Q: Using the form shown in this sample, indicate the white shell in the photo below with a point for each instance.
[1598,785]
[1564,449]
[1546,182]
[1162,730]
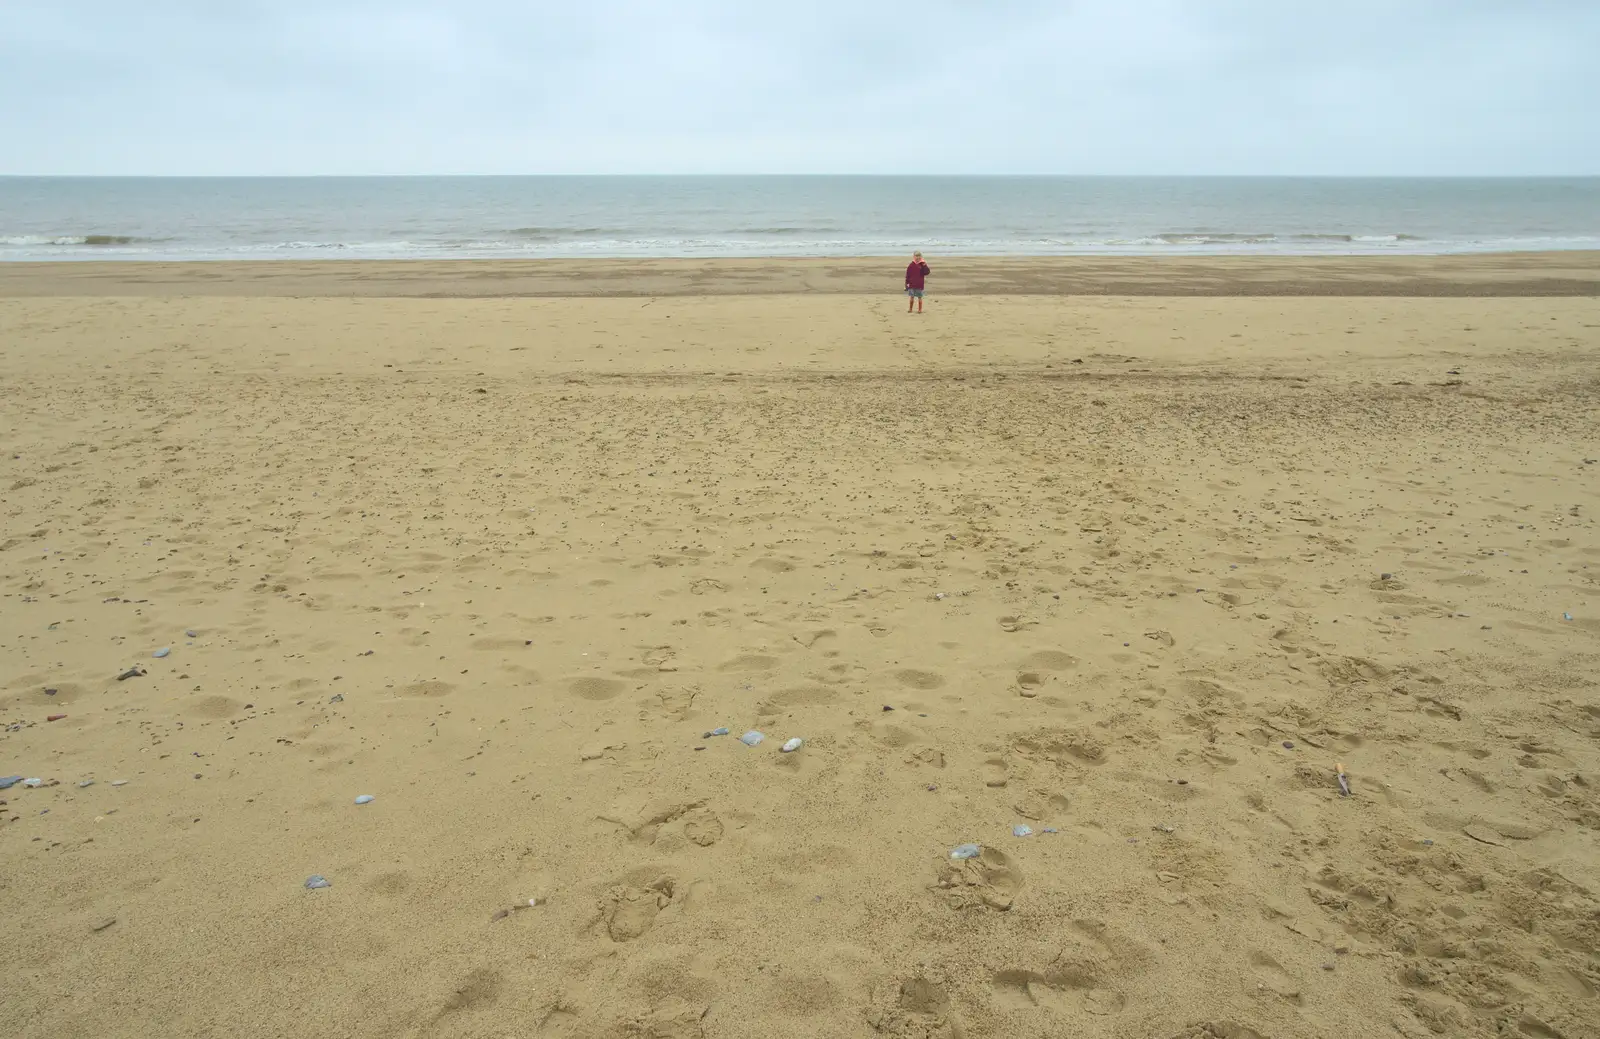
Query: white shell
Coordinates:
[792,745]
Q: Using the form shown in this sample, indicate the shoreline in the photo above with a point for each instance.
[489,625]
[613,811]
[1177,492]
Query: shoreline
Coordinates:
[1532,274]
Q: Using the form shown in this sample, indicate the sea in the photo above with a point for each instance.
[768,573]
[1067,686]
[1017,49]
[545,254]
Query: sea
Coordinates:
[244,218]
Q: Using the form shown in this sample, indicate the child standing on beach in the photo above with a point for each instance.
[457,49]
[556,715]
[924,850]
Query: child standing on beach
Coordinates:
[916,275]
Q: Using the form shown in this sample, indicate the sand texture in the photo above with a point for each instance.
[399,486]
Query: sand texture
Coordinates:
[1573,273]
[1136,573]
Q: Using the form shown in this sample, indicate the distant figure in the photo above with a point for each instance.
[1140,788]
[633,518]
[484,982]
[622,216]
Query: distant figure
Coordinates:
[916,279]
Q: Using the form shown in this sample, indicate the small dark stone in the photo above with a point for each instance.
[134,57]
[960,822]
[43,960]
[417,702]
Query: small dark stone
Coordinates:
[887,707]
[1288,744]
[1385,577]
[50,692]
[1183,782]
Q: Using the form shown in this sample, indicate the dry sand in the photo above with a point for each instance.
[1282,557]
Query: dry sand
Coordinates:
[501,562]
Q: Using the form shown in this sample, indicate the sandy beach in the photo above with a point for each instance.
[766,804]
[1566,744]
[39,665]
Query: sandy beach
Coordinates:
[1134,553]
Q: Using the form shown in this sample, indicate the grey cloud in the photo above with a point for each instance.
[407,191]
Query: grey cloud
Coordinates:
[1139,86]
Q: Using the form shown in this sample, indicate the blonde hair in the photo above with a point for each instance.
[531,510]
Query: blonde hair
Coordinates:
[916,255]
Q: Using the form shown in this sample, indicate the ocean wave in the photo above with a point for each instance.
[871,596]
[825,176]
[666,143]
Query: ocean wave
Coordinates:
[1238,238]
[556,233]
[1215,238]
[83,239]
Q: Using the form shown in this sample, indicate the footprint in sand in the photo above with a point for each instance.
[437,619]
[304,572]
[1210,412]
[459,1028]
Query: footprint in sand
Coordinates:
[629,912]
[559,1021]
[213,708]
[1038,805]
[990,881]
[1071,989]
[702,827]
[916,1008]
[915,679]
[785,700]
[749,662]
[1268,975]
[1062,747]
[476,991]
[425,690]
[1049,660]
[592,687]
[996,772]
[1217,1030]
[706,586]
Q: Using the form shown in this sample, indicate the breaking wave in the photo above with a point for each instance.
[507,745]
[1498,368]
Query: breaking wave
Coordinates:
[84,239]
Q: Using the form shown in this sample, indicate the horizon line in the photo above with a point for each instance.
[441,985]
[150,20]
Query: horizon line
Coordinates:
[901,176]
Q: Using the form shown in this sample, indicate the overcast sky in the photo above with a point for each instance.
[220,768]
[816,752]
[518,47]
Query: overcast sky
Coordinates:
[844,86]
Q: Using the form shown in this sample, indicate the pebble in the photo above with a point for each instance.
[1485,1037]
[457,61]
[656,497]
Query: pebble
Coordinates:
[965,851]
[7,782]
[50,692]
[191,633]
[1427,842]
[365,799]
[34,783]
[1566,616]
[886,707]
[336,698]
[1050,829]
[55,717]
[751,738]
[86,783]
[1022,830]
[119,782]
[316,880]
[1385,577]
[719,731]
[791,746]
[163,651]
[1288,744]
[132,672]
